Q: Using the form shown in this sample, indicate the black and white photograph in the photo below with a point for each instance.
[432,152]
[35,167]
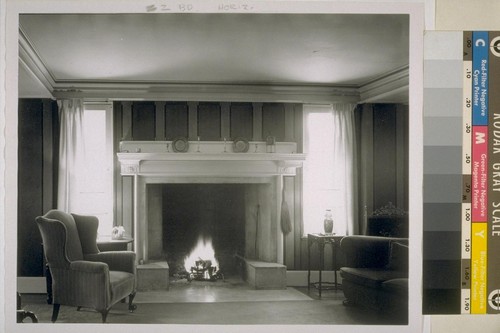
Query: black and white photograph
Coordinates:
[215,165]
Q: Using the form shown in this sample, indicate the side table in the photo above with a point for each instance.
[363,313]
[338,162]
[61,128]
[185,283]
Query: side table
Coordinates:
[321,240]
[107,244]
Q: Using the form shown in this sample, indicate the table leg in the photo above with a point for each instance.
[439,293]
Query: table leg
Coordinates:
[308,264]
[334,250]
[321,263]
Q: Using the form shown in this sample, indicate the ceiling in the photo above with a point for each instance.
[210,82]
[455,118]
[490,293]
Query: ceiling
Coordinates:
[113,55]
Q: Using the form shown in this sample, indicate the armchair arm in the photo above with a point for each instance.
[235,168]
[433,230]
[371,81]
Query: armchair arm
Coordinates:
[85,284]
[367,251]
[116,260]
[84,266]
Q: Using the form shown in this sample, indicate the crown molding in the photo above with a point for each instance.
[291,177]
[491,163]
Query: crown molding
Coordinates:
[208,92]
[32,62]
[386,87]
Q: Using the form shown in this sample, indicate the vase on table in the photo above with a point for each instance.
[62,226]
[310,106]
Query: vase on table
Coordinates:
[328,222]
[118,232]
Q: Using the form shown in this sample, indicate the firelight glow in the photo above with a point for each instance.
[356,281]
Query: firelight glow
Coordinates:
[203,250]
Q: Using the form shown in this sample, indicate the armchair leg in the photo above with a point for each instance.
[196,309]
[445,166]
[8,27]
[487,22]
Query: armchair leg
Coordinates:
[104,315]
[131,306]
[55,312]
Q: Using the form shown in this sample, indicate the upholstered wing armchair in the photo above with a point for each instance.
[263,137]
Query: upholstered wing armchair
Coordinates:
[81,275]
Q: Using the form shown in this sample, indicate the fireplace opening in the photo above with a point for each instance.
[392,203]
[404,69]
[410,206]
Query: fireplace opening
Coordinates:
[203,222]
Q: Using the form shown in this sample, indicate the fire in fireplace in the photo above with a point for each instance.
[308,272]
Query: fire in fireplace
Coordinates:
[201,264]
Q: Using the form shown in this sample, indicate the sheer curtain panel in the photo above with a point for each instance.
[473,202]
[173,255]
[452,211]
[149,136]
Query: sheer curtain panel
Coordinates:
[330,178]
[71,154]
[345,167]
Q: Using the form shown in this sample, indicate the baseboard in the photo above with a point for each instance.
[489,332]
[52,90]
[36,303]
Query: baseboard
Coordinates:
[299,278]
[31,285]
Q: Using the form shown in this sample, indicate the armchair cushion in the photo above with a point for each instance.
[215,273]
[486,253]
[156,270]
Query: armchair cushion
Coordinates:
[121,283]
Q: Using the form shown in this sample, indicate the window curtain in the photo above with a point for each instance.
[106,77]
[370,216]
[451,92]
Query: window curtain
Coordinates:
[71,154]
[344,154]
[330,171]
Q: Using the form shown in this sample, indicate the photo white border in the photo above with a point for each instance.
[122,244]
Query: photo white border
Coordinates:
[8,111]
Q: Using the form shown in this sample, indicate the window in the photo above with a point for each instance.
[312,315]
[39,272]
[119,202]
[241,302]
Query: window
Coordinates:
[97,193]
[328,170]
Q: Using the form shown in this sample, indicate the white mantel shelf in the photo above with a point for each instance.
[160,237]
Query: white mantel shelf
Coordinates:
[149,161]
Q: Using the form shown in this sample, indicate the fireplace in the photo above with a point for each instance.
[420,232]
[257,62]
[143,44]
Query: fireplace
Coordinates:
[204,217]
[167,184]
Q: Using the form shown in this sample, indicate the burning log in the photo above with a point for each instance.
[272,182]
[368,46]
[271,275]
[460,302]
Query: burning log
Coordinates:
[203,270]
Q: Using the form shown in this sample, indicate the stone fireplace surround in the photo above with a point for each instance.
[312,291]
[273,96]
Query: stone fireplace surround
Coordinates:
[212,163]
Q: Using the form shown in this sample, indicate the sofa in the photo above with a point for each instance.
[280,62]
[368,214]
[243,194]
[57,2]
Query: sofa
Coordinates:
[375,273]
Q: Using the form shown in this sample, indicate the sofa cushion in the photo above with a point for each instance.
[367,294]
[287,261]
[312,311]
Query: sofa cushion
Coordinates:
[366,251]
[397,286]
[398,257]
[369,277]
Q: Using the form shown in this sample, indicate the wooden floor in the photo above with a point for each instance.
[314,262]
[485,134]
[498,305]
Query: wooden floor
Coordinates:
[222,303]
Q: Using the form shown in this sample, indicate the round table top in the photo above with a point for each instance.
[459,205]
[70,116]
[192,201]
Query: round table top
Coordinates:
[106,240]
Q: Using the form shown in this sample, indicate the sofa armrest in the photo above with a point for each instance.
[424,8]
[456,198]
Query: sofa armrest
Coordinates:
[367,251]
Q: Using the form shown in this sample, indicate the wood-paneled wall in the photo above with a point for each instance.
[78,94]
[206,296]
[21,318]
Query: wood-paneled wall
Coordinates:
[210,121]
[37,161]
[382,157]
[382,134]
